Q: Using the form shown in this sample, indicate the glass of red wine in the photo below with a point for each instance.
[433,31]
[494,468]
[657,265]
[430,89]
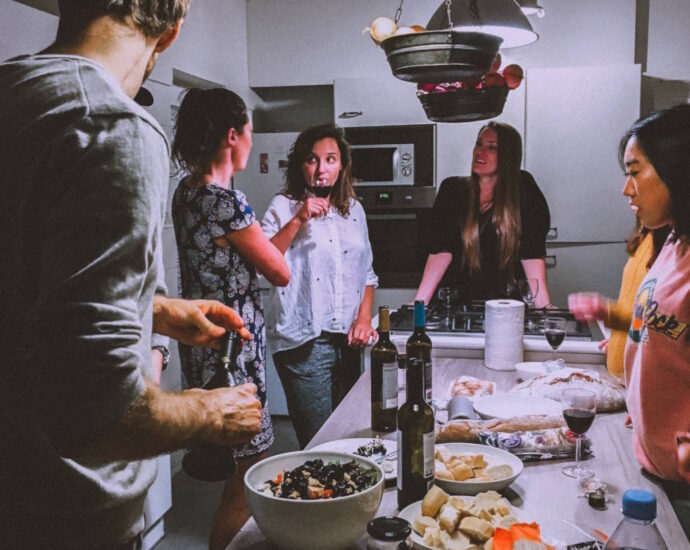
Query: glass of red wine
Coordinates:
[579,408]
[554,330]
[320,187]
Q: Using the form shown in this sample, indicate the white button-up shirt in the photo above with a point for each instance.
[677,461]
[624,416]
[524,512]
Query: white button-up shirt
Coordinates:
[330,263]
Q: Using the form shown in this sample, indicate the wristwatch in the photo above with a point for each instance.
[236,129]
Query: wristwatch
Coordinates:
[165,353]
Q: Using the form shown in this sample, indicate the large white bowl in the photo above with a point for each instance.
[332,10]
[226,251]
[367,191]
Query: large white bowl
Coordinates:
[329,524]
[493,456]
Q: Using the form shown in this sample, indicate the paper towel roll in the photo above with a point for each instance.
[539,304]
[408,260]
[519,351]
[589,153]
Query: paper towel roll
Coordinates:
[504,325]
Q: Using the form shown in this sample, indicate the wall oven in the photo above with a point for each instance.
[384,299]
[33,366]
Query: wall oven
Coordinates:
[398,206]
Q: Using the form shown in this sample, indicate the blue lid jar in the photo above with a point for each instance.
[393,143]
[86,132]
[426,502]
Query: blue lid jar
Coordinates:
[639,504]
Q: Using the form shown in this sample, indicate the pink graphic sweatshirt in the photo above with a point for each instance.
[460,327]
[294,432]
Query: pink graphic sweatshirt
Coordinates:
[657,361]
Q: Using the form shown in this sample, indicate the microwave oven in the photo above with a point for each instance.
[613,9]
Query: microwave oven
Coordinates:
[385,156]
[383,164]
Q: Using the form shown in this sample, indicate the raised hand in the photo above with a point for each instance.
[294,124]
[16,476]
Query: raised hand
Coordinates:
[195,322]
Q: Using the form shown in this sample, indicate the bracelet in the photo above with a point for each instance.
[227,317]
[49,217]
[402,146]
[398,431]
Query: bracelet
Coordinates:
[166,355]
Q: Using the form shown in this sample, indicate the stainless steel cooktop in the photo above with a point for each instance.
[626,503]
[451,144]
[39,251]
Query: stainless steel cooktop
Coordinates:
[468,320]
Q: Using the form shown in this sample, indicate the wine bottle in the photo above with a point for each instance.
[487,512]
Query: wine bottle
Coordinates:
[206,461]
[419,346]
[384,378]
[416,439]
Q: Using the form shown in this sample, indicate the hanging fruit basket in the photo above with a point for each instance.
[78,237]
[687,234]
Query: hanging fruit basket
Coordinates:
[464,105]
[440,56]
[456,61]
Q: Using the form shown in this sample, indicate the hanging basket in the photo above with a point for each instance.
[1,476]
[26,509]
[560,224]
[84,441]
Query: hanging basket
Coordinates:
[464,105]
[441,56]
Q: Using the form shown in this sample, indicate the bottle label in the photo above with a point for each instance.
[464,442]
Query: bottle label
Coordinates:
[399,481]
[428,442]
[428,371]
[389,387]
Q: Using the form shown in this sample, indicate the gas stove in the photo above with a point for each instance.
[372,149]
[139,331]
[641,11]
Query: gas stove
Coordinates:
[468,320]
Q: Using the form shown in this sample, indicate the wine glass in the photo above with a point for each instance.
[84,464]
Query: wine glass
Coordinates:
[554,330]
[529,288]
[579,408]
[320,186]
[445,295]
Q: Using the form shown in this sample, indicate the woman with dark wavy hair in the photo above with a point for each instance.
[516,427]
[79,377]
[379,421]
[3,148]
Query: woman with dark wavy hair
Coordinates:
[490,228]
[323,316]
[221,251]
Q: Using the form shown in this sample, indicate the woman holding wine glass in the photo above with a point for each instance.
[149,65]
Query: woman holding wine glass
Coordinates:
[221,251]
[322,318]
[490,228]
[655,153]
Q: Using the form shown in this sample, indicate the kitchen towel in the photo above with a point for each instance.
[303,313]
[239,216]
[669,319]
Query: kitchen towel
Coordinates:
[505,321]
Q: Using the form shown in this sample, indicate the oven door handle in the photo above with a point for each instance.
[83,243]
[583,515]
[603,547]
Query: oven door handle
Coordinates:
[391,216]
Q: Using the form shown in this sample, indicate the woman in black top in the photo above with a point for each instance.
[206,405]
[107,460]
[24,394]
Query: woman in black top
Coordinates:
[489,228]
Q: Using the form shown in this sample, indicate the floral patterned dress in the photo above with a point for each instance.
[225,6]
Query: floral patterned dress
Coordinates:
[201,215]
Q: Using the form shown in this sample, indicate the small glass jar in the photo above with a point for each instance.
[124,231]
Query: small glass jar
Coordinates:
[388,533]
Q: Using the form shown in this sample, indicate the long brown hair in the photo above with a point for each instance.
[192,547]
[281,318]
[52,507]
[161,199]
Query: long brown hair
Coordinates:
[506,206]
[295,184]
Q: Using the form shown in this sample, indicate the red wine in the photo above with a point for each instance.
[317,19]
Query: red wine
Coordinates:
[322,191]
[578,420]
[555,337]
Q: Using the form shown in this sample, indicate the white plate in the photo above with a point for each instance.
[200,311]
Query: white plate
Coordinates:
[531,369]
[351,445]
[415,510]
[493,456]
[508,406]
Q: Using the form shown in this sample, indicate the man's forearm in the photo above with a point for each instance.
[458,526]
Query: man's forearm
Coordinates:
[158,422]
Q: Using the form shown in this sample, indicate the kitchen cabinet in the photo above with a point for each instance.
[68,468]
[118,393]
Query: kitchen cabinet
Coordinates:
[575,117]
[310,42]
[668,40]
[584,267]
[381,101]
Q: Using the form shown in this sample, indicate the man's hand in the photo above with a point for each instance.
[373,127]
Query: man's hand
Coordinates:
[195,322]
[234,415]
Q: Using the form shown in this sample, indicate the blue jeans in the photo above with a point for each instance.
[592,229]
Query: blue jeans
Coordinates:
[315,377]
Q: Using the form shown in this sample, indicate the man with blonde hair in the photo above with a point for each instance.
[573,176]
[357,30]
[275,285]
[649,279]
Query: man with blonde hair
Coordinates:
[84,174]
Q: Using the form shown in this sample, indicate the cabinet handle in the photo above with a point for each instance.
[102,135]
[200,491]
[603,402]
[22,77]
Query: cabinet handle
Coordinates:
[552,234]
[350,114]
[550,261]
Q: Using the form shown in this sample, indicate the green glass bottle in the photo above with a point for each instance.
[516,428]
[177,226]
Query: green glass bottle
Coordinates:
[416,439]
[384,378]
[419,346]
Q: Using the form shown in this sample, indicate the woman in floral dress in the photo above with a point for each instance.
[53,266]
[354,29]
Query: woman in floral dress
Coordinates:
[221,247]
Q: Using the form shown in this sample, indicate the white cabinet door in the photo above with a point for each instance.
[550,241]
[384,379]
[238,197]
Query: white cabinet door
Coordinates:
[584,267]
[376,102]
[575,117]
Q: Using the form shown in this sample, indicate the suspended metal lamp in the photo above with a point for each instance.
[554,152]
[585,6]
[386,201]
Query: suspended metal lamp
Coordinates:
[530,7]
[502,18]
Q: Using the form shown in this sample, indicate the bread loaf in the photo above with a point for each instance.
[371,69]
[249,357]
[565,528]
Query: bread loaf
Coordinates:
[610,394]
[468,431]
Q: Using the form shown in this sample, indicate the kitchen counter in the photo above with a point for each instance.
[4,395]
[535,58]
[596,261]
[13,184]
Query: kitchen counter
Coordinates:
[542,492]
